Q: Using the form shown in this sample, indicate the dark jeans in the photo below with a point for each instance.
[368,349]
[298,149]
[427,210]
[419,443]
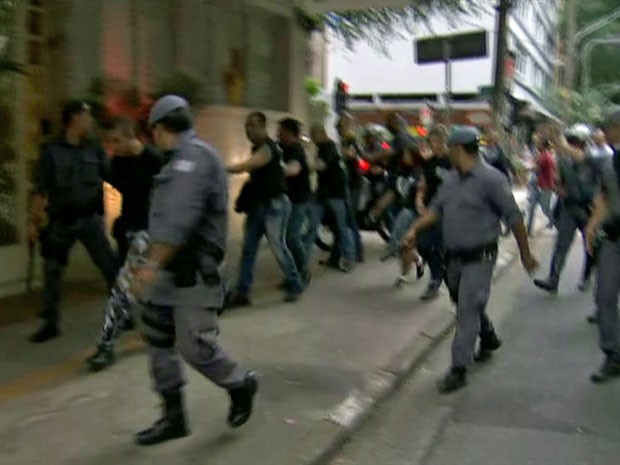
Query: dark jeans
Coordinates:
[271,220]
[56,243]
[430,249]
[300,217]
[344,237]
[354,200]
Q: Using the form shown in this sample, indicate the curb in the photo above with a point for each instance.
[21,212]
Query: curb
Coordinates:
[327,438]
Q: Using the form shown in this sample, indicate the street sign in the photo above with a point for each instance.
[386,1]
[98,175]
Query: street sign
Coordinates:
[451,47]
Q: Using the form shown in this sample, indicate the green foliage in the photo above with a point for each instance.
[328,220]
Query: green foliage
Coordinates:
[377,26]
[605,66]
[313,87]
[587,106]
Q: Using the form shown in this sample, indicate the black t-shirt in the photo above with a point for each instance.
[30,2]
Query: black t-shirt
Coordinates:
[353,171]
[434,170]
[132,176]
[268,181]
[333,179]
[401,143]
[297,187]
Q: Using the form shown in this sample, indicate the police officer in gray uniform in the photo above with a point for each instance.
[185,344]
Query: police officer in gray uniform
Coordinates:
[470,204]
[606,215]
[180,282]
[69,191]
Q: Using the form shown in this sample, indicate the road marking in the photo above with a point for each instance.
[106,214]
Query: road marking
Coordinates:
[59,373]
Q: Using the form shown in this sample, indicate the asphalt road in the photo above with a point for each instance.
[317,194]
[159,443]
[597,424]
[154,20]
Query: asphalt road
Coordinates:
[532,404]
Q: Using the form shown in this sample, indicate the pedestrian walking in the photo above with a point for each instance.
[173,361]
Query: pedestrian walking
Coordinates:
[543,184]
[578,177]
[134,164]
[263,199]
[299,192]
[606,216]
[470,204]
[179,281]
[69,192]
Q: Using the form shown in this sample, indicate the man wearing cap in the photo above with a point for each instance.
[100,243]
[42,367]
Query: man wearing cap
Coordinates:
[69,190]
[471,202]
[578,177]
[606,215]
[179,282]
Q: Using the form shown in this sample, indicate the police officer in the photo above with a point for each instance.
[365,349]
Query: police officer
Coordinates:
[578,177]
[180,280]
[607,214]
[470,203]
[69,189]
[133,166]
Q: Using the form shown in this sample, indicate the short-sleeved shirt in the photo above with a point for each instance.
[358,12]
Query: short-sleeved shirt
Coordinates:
[546,170]
[472,205]
[189,210]
[332,181]
[132,176]
[434,170]
[71,177]
[297,187]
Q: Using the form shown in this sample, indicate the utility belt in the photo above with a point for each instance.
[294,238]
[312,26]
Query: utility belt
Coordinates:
[472,255]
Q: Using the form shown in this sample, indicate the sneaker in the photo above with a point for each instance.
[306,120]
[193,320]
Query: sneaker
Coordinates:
[46,332]
[401,281]
[291,297]
[237,301]
[242,401]
[419,269]
[344,266]
[431,293]
[101,359]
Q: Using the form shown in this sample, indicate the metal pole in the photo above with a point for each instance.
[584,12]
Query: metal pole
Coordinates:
[448,78]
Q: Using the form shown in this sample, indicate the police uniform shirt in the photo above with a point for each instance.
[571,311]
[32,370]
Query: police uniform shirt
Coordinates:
[189,209]
[610,185]
[471,206]
[71,176]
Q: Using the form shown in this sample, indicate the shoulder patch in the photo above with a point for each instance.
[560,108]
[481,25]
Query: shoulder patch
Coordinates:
[185,166]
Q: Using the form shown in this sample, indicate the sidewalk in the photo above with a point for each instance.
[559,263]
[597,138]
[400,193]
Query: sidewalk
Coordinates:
[323,363]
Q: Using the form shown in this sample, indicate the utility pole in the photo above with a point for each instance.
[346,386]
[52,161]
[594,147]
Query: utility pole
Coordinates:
[500,57]
[569,54]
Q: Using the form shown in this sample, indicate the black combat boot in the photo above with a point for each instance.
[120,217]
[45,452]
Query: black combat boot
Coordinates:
[242,401]
[453,381]
[489,343]
[171,426]
[609,370]
[46,332]
[101,359]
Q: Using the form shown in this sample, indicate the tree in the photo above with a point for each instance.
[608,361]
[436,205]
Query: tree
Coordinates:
[377,26]
[587,106]
[605,67]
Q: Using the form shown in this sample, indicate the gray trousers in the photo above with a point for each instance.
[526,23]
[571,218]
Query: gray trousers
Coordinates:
[56,242]
[567,226]
[607,290]
[191,333]
[470,288]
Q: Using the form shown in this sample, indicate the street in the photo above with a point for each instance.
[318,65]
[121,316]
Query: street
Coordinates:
[533,403]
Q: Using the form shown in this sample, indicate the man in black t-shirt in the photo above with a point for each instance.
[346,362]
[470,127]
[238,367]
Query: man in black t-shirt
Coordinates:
[332,194]
[433,171]
[134,164]
[351,152]
[298,189]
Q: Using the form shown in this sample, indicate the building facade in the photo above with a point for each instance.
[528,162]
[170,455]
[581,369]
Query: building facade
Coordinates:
[395,81]
[239,54]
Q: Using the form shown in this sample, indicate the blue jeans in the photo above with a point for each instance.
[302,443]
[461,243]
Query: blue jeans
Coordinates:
[403,222]
[300,216]
[344,236]
[271,220]
[355,230]
[539,197]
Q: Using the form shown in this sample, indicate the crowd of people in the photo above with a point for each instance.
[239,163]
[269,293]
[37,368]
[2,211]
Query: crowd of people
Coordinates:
[442,201]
